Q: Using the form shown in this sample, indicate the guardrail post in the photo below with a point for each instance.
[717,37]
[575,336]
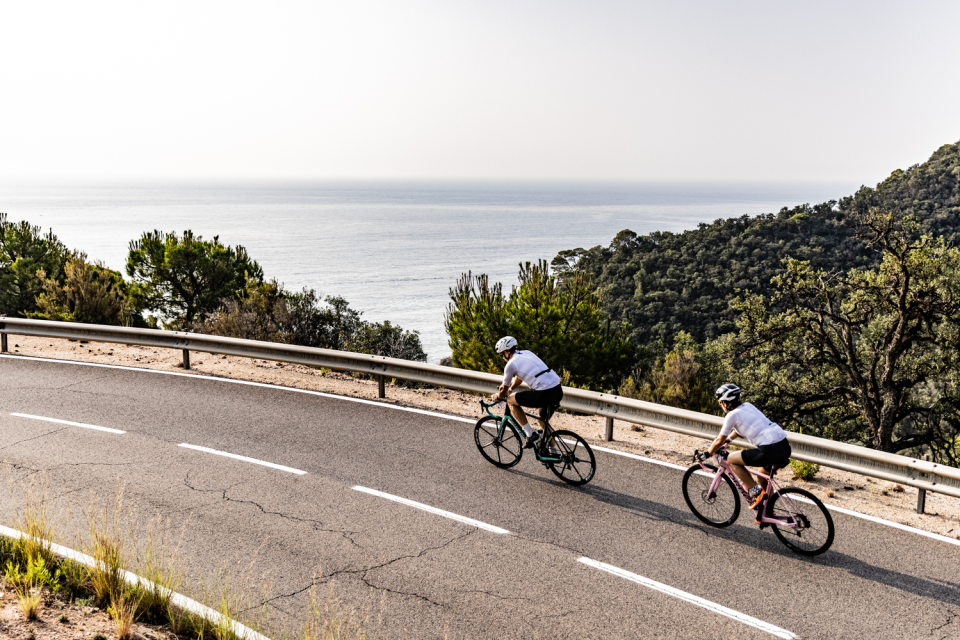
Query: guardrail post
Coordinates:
[608,434]
[922,493]
[381,387]
[186,358]
[3,343]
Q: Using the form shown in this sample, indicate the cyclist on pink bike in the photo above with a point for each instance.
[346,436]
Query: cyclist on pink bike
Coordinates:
[744,419]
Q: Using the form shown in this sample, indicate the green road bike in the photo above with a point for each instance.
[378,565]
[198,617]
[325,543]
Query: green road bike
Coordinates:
[500,440]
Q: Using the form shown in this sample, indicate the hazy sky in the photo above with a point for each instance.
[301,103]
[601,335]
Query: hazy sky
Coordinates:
[634,90]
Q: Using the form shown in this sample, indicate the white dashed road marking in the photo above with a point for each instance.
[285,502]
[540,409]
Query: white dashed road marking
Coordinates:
[67,422]
[854,514]
[243,458]
[689,597]
[433,510]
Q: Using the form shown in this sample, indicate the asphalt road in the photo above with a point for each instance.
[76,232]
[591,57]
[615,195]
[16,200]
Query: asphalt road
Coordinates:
[429,575]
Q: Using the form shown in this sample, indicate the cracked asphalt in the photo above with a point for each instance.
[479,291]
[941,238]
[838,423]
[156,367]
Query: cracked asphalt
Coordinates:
[428,576]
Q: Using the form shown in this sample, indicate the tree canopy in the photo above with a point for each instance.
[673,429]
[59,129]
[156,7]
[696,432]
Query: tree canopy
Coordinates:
[870,355]
[558,318]
[186,278]
[25,250]
[663,283]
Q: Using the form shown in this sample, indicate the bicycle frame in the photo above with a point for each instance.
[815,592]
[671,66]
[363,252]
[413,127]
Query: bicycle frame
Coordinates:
[501,423]
[772,489]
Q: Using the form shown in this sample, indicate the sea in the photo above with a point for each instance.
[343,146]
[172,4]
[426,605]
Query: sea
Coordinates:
[392,249]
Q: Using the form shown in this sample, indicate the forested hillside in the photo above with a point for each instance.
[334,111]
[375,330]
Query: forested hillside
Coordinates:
[664,283]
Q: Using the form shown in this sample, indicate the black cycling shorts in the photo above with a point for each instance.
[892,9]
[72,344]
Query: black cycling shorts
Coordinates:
[769,455]
[540,399]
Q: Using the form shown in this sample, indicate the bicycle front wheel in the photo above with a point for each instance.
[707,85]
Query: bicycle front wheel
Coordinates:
[577,464]
[501,449]
[719,508]
[813,530]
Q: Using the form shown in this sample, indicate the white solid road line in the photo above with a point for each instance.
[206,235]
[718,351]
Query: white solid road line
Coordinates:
[855,514]
[433,510]
[243,458]
[67,422]
[895,525]
[636,457]
[248,383]
[689,597]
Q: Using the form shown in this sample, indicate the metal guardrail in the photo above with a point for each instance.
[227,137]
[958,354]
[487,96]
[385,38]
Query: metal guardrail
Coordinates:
[921,474]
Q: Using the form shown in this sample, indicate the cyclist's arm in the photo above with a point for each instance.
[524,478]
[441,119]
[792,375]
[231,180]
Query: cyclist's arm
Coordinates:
[720,441]
[504,390]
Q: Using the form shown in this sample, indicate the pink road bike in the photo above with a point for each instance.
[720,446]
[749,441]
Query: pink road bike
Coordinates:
[797,517]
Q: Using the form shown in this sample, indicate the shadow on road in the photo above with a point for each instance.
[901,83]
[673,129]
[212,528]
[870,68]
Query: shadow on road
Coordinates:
[752,540]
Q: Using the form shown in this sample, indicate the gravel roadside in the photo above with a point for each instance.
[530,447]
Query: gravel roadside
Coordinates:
[60,619]
[849,491]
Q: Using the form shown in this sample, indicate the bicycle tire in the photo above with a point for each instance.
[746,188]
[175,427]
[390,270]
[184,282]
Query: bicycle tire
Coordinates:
[504,451]
[715,510]
[817,520]
[578,463]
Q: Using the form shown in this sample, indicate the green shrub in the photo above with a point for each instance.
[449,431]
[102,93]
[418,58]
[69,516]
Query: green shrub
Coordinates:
[89,293]
[267,311]
[37,575]
[804,470]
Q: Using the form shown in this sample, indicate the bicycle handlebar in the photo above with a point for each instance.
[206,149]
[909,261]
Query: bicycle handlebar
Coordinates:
[722,452]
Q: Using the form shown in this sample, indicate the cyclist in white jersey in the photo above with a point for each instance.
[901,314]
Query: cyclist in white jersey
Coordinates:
[773,449]
[524,366]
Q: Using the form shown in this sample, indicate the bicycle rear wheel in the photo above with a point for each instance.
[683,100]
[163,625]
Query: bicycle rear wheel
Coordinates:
[719,509]
[814,533]
[503,450]
[577,464]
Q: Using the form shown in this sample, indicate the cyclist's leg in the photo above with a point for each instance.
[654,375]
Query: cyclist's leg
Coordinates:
[538,400]
[736,463]
[770,455]
[517,411]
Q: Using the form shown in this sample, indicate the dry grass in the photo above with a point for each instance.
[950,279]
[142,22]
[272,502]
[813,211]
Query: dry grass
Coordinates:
[330,619]
[106,546]
[32,518]
[235,598]
[122,610]
[161,562]
[29,603]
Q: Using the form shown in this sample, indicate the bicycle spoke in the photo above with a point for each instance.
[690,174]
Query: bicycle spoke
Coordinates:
[503,439]
[719,508]
[576,464]
[808,527]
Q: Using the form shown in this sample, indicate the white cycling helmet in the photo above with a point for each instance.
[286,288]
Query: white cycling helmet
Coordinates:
[506,343]
[728,392]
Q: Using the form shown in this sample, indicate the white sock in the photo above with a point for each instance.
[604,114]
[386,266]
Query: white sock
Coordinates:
[527,430]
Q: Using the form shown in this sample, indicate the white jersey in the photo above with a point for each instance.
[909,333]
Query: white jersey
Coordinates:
[531,369]
[750,423]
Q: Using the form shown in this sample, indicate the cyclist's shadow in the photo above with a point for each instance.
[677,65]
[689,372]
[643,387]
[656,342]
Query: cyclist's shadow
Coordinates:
[753,539]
